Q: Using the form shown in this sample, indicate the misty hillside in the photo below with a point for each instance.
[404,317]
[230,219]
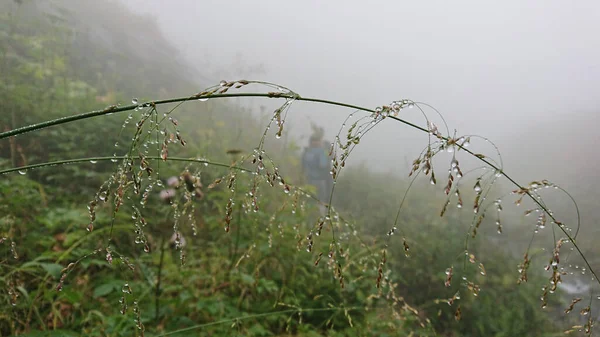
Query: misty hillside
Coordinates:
[204,215]
[109,45]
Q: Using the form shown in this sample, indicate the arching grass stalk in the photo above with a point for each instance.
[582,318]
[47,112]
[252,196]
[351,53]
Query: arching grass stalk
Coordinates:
[25,168]
[116,109]
[111,158]
[289,96]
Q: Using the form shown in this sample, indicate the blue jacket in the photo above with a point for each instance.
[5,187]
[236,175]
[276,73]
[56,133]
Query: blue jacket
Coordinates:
[315,163]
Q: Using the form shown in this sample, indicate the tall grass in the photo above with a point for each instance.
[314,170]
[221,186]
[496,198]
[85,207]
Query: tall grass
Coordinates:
[251,183]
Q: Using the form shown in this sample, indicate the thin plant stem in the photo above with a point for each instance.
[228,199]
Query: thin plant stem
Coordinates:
[266,314]
[288,96]
[158,279]
[92,159]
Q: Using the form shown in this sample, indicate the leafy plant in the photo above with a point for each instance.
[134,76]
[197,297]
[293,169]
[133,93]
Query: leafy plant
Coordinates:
[173,242]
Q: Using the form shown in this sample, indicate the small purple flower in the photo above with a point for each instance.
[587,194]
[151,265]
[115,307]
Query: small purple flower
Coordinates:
[167,195]
[173,181]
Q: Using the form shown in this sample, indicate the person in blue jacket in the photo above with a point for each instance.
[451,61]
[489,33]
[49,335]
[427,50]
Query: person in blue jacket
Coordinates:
[316,166]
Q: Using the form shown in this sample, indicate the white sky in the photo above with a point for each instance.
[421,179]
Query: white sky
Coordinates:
[499,69]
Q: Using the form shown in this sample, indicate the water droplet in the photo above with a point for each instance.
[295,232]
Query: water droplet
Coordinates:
[203,99]
[102,196]
[22,172]
[126,288]
[223,83]
[134,101]
[93,161]
[477,187]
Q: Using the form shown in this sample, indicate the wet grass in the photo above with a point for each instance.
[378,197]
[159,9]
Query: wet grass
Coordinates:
[253,184]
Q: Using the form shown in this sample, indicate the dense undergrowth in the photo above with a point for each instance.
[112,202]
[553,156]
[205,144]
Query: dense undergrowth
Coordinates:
[250,259]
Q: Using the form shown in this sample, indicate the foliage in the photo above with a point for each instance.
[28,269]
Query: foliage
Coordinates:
[273,272]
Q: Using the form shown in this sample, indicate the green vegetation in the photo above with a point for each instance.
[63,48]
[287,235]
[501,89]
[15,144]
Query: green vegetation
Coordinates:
[277,270]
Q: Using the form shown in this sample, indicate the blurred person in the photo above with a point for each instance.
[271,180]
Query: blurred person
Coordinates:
[315,166]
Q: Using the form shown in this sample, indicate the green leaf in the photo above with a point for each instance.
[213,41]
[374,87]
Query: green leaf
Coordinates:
[72,237]
[259,330]
[52,269]
[104,290]
[72,296]
[24,292]
[248,279]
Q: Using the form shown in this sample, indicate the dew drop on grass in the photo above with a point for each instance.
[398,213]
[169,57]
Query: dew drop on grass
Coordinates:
[223,83]
[482,269]
[134,101]
[93,161]
[13,248]
[126,288]
[22,172]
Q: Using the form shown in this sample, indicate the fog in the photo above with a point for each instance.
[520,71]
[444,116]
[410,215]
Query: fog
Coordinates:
[505,71]
[523,75]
